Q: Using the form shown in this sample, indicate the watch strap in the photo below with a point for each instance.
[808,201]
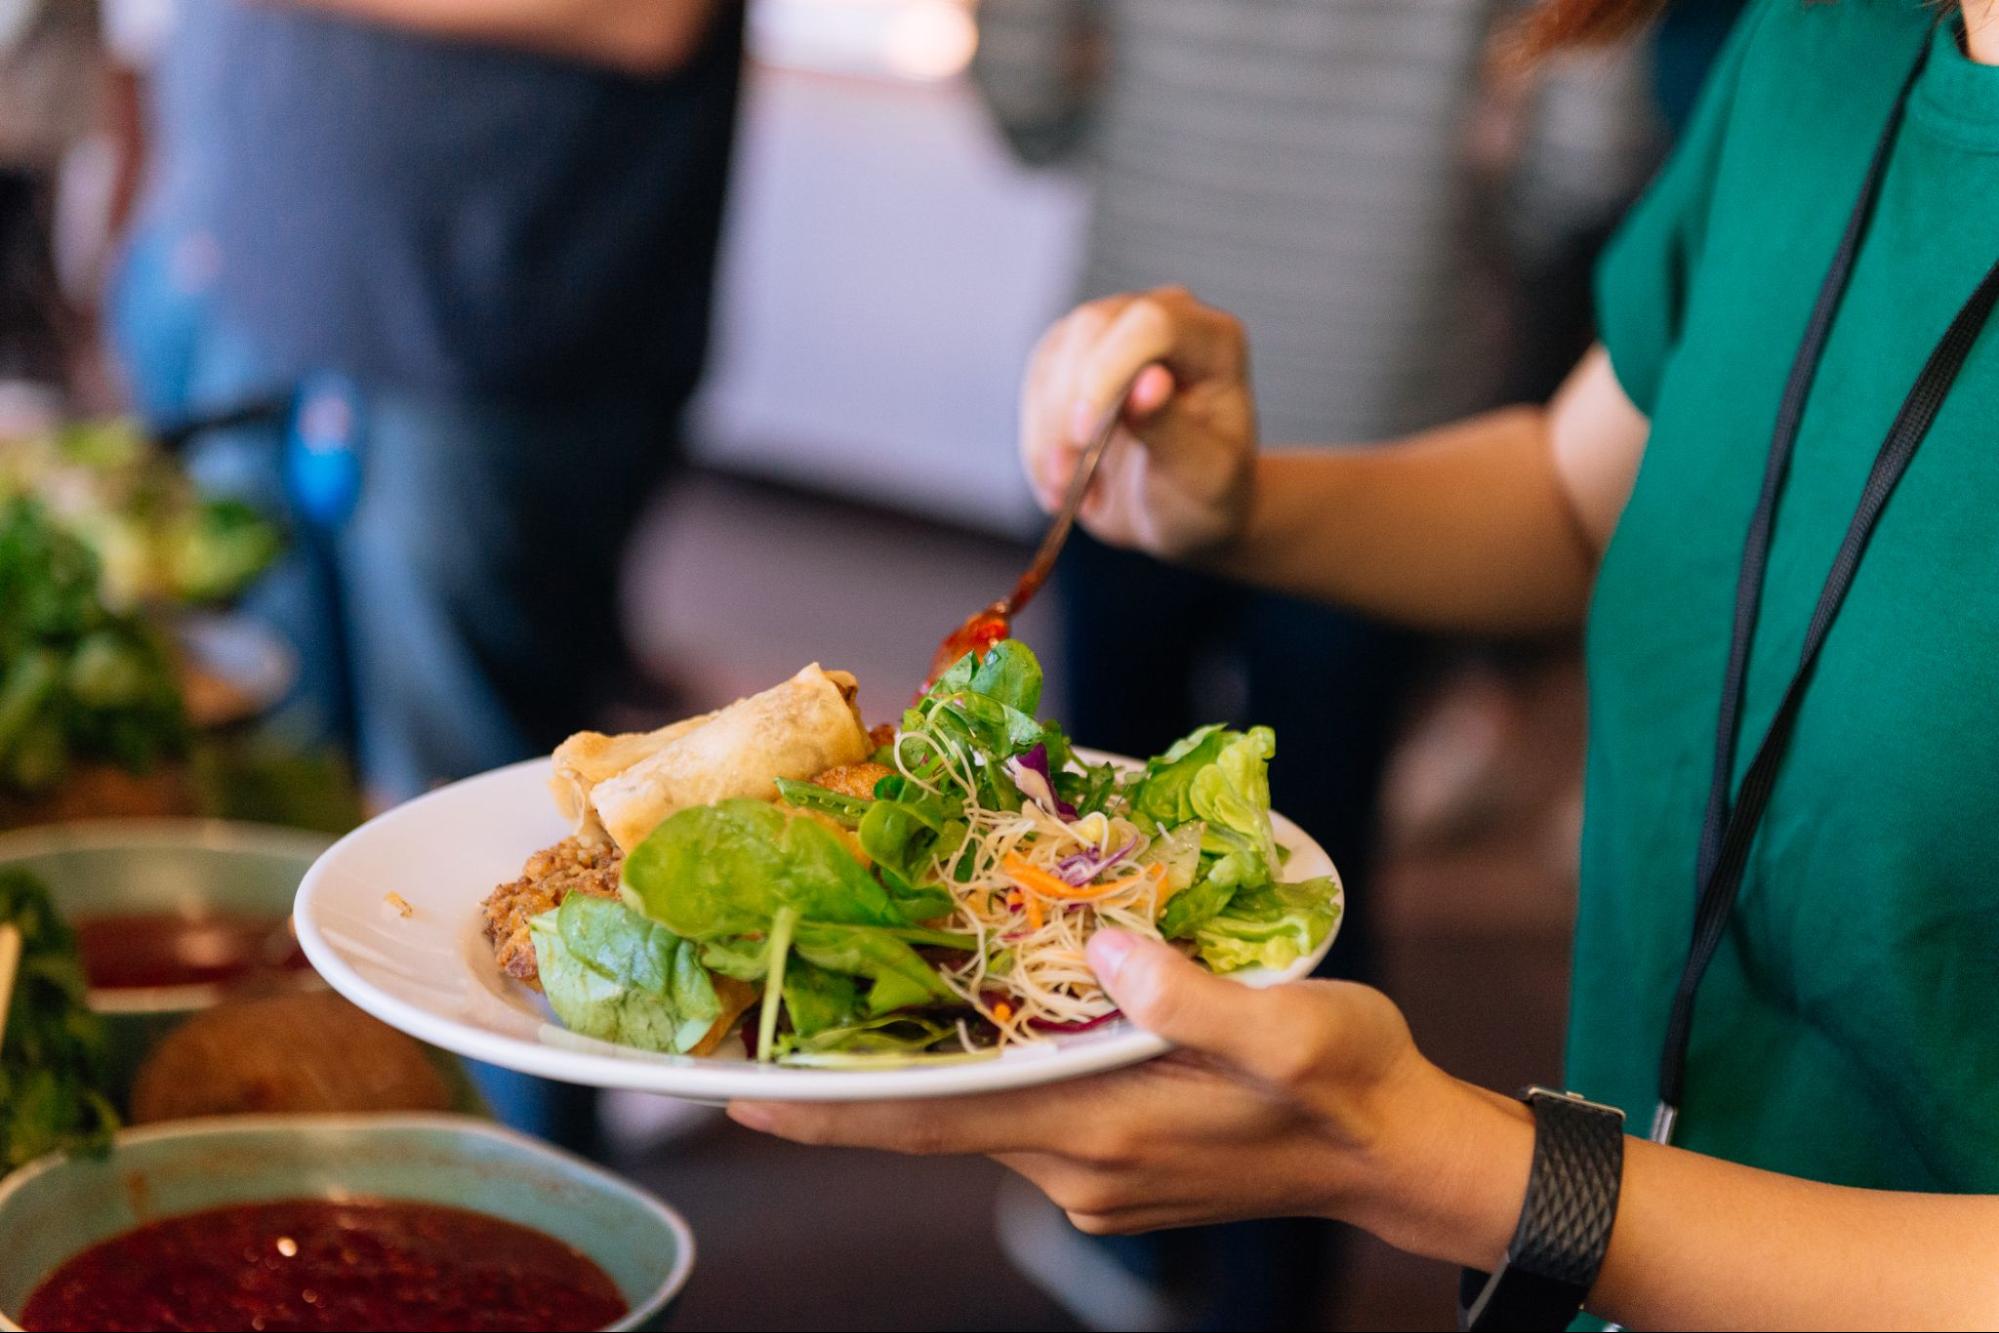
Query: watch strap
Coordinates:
[1565,1221]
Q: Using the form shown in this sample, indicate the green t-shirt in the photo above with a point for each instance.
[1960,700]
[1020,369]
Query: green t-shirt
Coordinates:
[1848,1029]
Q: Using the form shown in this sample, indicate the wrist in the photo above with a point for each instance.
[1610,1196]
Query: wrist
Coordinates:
[1447,1175]
[1241,500]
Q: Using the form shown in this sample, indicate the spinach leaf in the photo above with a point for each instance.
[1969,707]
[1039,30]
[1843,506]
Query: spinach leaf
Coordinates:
[818,999]
[895,1033]
[729,868]
[902,978]
[875,954]
[610,973]
[906,836]
[1009,674]
[744,957]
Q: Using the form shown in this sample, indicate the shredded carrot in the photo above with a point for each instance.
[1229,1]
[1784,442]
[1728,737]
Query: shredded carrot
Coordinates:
[1002,1011]
[1022,902]
[1048,886]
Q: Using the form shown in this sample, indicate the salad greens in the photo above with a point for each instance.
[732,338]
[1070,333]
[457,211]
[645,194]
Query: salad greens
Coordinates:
[1272,926]
[156,537]
[1219,779]
[614,975]
[77,680]
[53,1073]
[917,921]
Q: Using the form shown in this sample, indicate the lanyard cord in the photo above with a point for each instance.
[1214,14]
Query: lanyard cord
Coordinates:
[1729,828]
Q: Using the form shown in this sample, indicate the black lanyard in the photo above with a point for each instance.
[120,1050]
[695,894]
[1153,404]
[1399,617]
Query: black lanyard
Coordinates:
[1729,829]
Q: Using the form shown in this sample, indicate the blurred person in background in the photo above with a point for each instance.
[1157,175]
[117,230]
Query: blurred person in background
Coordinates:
[453,259]
[1317,170]
[48,105]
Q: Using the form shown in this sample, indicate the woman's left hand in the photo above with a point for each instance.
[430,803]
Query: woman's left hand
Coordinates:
[1305,1099]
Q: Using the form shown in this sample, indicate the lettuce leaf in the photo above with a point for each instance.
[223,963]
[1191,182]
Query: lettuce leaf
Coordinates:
[1272,926]
[1190,909]
[610,973]
[1220,779]
[726,869]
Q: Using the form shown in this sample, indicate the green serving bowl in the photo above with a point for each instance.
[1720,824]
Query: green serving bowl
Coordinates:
[162,865]
[54,1208]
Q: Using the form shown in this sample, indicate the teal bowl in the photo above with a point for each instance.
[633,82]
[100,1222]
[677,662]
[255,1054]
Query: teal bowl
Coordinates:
[60,1205]
[179,866]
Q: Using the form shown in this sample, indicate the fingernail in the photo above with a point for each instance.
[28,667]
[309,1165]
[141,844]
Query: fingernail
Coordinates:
[1082,421]
[1108,951]
[752,1116]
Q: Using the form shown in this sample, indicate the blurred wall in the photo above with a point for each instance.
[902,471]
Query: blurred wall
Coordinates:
[887,269]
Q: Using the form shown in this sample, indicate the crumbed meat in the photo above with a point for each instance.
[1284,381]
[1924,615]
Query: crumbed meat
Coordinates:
[574,865]
[854,779]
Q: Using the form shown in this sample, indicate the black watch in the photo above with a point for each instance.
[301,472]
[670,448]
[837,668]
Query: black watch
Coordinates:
[1565,1222]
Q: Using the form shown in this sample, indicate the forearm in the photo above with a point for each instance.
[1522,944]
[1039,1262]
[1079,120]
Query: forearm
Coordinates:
[1702,1243]
[637,36]
[1698,1242]
[1462,528]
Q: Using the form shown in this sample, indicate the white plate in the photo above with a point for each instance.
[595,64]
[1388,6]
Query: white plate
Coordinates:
[431,973]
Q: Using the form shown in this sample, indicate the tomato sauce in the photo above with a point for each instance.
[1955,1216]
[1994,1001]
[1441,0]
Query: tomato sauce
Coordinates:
[317,1264]
[977,635]
[145,949]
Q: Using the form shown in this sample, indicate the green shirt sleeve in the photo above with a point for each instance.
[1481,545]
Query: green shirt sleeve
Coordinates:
[1647,270]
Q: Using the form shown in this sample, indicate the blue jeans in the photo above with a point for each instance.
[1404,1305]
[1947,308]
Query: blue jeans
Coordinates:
[451,579]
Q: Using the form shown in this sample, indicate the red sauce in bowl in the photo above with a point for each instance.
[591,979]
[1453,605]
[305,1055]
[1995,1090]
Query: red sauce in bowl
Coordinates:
[317,1264]
[125,951]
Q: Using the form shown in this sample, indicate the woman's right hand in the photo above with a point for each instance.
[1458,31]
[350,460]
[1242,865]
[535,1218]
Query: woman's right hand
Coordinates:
[1178,478]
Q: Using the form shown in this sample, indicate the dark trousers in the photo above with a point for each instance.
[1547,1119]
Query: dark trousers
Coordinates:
[31,303]
[1155,651]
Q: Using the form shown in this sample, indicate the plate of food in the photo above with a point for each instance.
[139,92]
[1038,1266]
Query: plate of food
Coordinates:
[773,901]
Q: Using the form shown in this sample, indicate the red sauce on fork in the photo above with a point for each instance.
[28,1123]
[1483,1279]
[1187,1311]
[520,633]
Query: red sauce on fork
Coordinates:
[319,1264]
[977,635]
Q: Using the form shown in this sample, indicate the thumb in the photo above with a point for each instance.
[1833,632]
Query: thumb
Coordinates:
[1149,392]
[1169,995]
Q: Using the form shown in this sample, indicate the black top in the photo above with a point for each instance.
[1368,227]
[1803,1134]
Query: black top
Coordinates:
[448,216]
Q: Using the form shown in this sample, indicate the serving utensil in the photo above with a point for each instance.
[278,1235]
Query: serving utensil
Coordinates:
[993,622]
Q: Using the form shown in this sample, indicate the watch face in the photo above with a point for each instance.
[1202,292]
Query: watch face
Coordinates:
[1577,1100]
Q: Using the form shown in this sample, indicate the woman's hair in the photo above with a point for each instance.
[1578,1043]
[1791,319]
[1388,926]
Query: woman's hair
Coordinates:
[1552,25]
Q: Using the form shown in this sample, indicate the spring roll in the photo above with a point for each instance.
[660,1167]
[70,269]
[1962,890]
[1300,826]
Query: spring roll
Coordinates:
[622,787]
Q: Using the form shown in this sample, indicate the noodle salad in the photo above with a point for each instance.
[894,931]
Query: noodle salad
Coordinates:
[945,914]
